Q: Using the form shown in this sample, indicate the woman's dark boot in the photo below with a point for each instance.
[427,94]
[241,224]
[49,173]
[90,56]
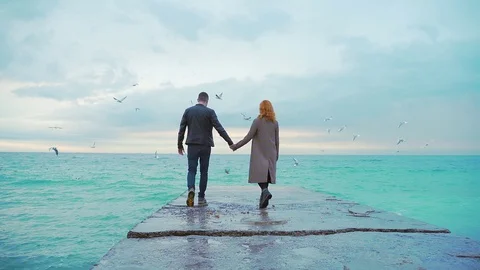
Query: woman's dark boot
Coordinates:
[264,198]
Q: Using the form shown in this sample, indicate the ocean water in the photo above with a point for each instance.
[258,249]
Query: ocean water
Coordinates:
[66,212]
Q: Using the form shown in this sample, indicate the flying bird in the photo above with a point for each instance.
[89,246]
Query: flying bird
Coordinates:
[227,171]
[428,143]
[191,102]
[55,127]
[120,100]
[328,130]
[295,162]
[355,136]
[342,128]
[54,149]
[402,123]
[327,119]
[219,96]
[245,117]
[137,109]
[400,141]
[93,146]
[135,84]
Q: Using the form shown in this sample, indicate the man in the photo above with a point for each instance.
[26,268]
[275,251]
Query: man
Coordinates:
[200,121]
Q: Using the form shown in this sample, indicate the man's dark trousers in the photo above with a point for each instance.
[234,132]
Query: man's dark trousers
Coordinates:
[196,152]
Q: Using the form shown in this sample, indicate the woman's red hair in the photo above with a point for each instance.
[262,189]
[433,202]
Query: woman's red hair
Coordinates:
[266,111]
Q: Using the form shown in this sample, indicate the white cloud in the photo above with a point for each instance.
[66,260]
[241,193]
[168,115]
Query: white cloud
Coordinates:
[370,65]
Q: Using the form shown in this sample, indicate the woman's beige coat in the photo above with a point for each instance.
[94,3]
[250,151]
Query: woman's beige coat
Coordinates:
[264,152]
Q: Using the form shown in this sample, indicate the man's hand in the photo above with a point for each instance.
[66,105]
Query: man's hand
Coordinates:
[181,151]
[232,147]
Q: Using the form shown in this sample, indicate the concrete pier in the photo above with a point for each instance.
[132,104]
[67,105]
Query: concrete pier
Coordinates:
[300,229]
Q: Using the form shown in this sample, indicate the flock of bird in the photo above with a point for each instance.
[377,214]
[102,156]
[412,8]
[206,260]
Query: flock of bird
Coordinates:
[355,136]
[121,100]
[55,149]
[247,118]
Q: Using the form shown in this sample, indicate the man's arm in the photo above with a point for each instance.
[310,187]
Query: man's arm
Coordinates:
[181,131]
[216,124]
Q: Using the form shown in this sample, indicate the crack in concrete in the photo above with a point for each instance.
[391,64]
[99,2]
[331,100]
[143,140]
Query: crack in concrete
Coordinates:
[132,234]
[470,256]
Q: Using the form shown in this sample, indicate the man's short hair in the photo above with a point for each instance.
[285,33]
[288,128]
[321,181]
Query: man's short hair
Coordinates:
[203,97]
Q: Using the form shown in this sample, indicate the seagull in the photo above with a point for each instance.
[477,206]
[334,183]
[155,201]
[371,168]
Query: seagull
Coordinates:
[246,118]
[54,149]
[227,171]
[400,141]
[191,102]
[355,136]
[120,100]
[137,109]
[428,143]
[135,84]
[55,127]
[219,96]
[327,119]
[402,123]
[328,130]
[295,162]
[93,146]
[342,128]
[156,156]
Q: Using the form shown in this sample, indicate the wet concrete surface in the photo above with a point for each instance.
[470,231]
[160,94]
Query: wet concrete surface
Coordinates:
[300,229]
[292,211]
[339,251]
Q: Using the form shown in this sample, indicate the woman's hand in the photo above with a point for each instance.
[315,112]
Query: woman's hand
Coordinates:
[233,147]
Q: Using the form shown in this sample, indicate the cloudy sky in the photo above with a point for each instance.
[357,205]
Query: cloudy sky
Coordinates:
[368,64]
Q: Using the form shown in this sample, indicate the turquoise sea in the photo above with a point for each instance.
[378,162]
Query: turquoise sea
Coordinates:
[66,212]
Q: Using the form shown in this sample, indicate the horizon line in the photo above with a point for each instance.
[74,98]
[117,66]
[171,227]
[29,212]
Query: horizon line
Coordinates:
[223,154]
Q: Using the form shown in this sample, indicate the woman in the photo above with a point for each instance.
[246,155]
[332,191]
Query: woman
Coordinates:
[264,152]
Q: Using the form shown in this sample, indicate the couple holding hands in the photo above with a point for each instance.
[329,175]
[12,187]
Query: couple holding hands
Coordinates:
[264,134]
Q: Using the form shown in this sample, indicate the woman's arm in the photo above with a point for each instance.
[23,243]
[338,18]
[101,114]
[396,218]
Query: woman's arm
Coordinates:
[277,139]
[248,137]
